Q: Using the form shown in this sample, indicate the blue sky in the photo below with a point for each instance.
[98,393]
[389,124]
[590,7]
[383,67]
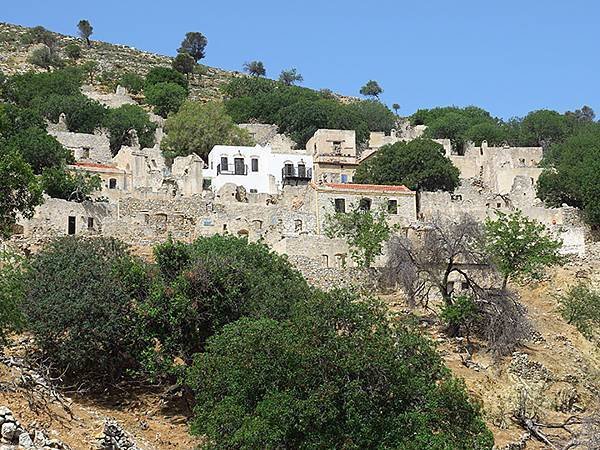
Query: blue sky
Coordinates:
[507,56]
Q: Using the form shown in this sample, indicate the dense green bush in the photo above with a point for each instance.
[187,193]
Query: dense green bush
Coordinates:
[212,282]
[124,118]
[198,127]
[14,119]
[73,51]
[299,112]
[580,306]
[337,374]
[23,89]
[132,82]
[165,97]
[83,115]
[39,149]
[79,305]
[165,75]
[419,164]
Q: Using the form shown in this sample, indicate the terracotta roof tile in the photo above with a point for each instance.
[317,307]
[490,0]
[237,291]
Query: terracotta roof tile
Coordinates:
[91,165]
[367,187]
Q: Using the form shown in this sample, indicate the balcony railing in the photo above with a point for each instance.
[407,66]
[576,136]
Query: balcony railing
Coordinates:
[294,172]
[232,169]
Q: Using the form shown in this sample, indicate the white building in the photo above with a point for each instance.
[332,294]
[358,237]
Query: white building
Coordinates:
[258,169]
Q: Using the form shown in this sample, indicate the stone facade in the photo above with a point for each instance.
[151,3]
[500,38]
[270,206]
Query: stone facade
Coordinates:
[334,154]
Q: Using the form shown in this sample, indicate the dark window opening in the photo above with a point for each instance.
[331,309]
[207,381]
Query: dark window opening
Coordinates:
[90,223]
[254,164]
[340,205]
[112,183]
[498,205]
[224,164]
[365,204]
[392,206]
[85,153]
[71,227]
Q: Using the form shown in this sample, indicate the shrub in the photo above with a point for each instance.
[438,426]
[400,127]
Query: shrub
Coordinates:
[165,97]
[12,289]
[22,89]
[83,114]
[43,57]
[337,374]
[73,51]
[460,315]
[212,282]
[165,75]
[580,306]
[132,82]
[79,306]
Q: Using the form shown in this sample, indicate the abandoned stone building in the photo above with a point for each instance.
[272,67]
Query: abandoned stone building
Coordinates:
[280,194]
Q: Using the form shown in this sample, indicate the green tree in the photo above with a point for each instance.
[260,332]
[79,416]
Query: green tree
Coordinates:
[520,246]
[85,31]
[184,63]
[374,114]
[365,232]
[83,115]
[39,149]
[43,57]
[337,374]
[20,191]
[73,51]
[132,82]
[12,288]
[79,305]
[197,128]
[24,88]
[580,306]
[396,108]
[214,281]
[14,119]
[419,164]
[572,173]
[545,126]
[493,133]
[71,185]
[120,121]
[290,77]
[165,97]
[255,68]
[371,89]
[165,75]
[194,44]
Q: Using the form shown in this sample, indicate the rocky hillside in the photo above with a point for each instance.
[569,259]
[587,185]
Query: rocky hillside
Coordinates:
[112,59]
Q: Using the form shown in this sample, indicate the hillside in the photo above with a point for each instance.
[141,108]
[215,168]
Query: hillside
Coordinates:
[112,59]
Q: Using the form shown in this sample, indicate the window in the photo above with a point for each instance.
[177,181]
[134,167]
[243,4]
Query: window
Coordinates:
[498,205]
[344,178]
[85,153]
[364,204]
[456,197]
[325,260]
[254,191]
[224,164]
[254,164]
[297,226]
[392,206]
[112,183]
[71,226]
[340,205]
[238,165]
[90,223]
[337,146]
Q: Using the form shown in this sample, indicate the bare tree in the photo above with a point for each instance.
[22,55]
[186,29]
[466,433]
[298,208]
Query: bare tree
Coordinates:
[423,267]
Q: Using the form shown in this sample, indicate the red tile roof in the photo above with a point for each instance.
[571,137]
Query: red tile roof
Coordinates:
[367,187]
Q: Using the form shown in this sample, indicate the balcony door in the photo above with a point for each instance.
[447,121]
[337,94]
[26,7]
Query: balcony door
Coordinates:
[238,165]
